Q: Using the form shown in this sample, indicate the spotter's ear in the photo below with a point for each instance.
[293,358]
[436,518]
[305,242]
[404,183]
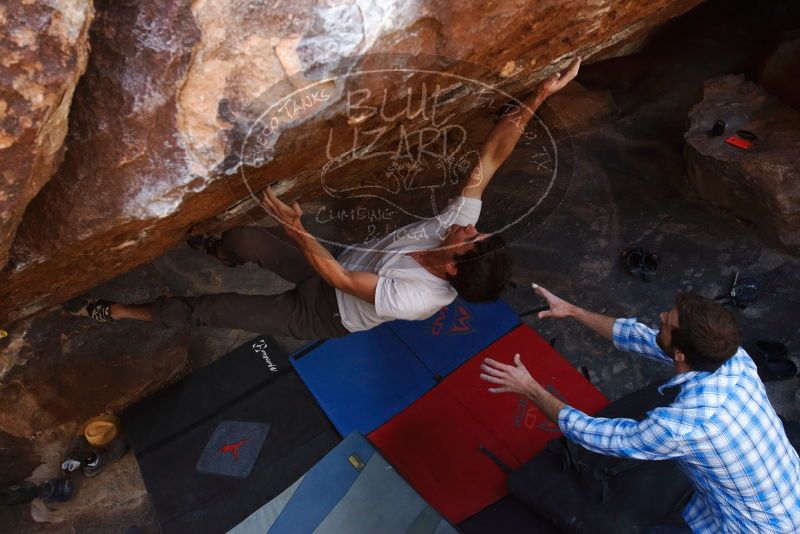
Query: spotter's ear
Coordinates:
[679,356]
[451,268]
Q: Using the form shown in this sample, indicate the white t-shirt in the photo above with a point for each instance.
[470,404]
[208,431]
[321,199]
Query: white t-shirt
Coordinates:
[406,290]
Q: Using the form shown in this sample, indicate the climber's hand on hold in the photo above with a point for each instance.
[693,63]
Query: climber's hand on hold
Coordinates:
[559,80]
[288,216]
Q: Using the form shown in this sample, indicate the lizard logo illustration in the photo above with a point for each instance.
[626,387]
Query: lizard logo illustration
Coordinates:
[233,448]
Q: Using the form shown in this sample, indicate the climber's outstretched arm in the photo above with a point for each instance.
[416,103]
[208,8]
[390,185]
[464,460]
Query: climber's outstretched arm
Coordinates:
[506,132]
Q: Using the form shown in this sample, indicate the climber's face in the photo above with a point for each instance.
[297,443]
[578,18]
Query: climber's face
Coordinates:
[461,239]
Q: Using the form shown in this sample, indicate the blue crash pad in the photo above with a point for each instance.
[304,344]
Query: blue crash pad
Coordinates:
[455,333]
[352,489]
[363,379]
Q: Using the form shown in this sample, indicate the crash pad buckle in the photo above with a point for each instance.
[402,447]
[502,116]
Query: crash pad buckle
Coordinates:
[356,462]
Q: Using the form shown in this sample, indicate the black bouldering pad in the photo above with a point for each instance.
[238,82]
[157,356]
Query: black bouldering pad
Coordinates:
[585,492]
[215,446]
[180,406]
[508,516]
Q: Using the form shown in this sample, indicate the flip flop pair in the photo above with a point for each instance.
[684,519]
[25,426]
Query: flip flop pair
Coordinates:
[640,264]
[772,362]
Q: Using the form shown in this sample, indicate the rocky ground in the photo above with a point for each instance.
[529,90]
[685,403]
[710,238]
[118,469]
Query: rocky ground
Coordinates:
[629,187]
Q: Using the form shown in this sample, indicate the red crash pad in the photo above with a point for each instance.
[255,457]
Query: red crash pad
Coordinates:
[451,442]
[513,419]
[436,445]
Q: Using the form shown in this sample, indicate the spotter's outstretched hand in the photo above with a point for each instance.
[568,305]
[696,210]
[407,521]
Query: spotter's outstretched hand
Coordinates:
[509,378]
[559,308]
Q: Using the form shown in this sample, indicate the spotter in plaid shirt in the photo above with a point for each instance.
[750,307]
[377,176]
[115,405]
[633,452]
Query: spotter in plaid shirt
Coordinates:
[722,431]
[721,428]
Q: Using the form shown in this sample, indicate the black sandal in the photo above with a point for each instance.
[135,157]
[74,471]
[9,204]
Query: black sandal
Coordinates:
[633,260]
[98,310]
[649,266]
[210,245]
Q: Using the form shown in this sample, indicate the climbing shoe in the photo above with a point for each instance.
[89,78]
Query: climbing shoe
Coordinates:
[98,310]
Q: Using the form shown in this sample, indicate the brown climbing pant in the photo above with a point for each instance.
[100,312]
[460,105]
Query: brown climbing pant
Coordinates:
[308,311]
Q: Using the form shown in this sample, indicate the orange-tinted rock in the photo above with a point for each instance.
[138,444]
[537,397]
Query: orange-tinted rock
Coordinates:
[56,368]
[44,48]
[153,128]
[760,184]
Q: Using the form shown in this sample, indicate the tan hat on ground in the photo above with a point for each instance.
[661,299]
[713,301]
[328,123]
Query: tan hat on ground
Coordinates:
[101,430]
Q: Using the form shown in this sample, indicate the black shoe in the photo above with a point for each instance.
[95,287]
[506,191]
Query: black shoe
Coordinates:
[772,349]
[13,493]
[105,456]
[56,490]
[771,361]
[98,310]
[774,369]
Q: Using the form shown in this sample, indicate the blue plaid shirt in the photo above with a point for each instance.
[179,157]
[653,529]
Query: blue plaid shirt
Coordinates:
[722,431]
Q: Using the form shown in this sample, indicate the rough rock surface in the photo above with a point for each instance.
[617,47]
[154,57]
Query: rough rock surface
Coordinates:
[44,47]
[153,118]
[780,74]
[67,371]
[761,184]
[17,458]
[580,108]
